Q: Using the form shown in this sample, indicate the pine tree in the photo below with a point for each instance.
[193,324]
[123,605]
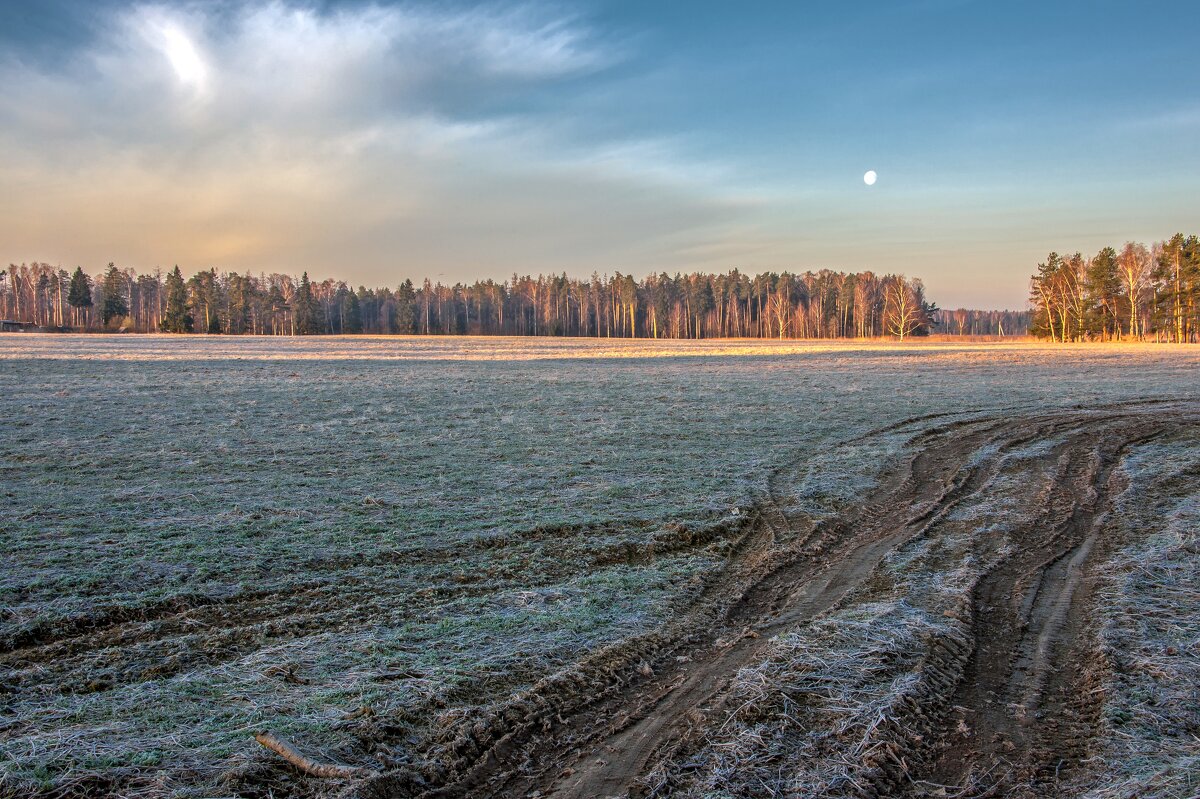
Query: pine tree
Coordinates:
[1103,288]
[115,306]
[1191,288]
[1168,275]
[278,308]
[177,319]
[239,293]
[204,291]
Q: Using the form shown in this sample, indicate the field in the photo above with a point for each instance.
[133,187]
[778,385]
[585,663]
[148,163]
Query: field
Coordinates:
[503,567]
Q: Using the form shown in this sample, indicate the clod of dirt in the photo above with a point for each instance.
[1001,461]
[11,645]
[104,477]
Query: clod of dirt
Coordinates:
[285,672]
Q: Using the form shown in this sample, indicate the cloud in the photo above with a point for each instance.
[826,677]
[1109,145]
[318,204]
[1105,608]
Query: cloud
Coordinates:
[1183,117]
[366,142]
[318,73]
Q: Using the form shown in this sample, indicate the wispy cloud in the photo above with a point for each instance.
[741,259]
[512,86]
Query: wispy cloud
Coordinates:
[1183,117]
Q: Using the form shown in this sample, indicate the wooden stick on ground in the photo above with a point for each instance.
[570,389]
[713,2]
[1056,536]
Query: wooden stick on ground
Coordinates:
[323,770]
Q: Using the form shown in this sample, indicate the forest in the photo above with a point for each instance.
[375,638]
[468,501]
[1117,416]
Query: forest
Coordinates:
[1137,293]
[823,304]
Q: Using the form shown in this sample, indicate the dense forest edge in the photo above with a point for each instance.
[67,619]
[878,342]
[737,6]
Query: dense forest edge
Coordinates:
[1139,293]
[811,305]
[823,304]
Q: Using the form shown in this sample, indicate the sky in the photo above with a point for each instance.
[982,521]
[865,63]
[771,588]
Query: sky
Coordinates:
[373,142]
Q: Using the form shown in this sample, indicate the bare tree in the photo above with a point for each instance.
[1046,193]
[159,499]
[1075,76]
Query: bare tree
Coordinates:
[902,311]
[1134,266]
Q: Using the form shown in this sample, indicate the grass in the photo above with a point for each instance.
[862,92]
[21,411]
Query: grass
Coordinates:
[413,525]
[804,720]
[1151,633]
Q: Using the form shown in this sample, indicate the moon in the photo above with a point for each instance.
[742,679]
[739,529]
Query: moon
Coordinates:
[870,177]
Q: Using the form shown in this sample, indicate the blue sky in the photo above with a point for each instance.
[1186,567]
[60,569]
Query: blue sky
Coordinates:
[374,142]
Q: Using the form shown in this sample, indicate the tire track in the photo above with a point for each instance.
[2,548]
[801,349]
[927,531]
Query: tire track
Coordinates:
[1023,711]
[1030,613]
[648,718]
[120,645]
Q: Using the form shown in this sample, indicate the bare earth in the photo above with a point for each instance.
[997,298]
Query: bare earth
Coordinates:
[497,567]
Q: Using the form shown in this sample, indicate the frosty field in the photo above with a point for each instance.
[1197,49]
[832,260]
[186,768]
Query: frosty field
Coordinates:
[502,566]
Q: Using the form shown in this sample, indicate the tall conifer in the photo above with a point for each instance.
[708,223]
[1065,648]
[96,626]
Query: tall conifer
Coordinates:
[79,296]
[115,306]
[305,308]
[177,319]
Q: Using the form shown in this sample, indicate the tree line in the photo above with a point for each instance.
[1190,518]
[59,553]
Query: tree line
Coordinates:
[971,322]
[823,304]
[1136,293]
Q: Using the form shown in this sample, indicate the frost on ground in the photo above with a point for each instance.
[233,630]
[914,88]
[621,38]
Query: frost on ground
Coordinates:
[836,702]
[807,718]
[1151,634]
[329,537]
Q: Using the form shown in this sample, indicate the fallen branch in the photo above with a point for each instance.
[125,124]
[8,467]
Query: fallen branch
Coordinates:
[322,770]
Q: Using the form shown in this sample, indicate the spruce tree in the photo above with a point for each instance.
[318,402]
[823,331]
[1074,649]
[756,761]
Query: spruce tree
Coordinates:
[115,306]
[406,308]
[351,314]
[305,309]
[79,296]
[177,319]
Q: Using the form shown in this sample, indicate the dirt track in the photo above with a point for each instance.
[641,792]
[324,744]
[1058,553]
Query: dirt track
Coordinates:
[1008,709]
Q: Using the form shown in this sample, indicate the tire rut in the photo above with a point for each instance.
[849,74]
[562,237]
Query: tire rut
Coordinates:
[1023,713]
[1029,614]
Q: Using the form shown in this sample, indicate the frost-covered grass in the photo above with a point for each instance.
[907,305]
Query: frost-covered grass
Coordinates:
[449,519]
[818,711]
[802,720]
[1151,634]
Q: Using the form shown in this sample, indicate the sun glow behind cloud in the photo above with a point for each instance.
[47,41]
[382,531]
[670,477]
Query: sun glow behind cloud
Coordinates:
[184,58]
